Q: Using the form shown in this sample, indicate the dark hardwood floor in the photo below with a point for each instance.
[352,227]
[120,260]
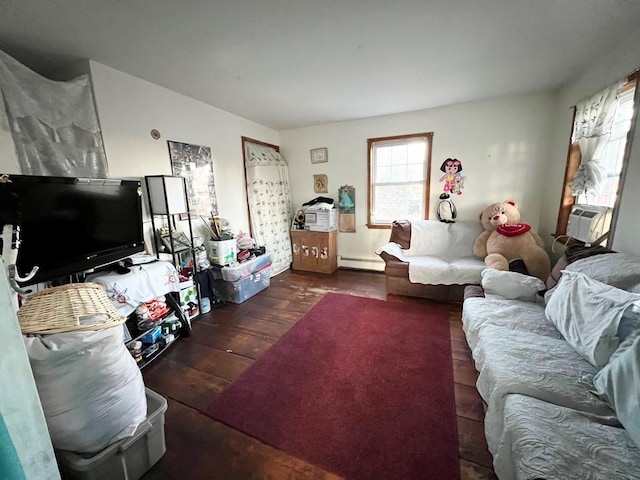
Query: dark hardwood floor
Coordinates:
[227,340]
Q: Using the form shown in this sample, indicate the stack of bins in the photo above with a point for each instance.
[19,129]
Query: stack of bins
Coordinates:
[238,283]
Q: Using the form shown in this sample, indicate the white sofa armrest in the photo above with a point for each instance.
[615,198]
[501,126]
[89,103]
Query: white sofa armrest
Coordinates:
[393,249]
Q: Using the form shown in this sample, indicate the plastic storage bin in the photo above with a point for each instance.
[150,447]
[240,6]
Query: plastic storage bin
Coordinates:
[127,459]
[242,270]
[238,292]
[223,252]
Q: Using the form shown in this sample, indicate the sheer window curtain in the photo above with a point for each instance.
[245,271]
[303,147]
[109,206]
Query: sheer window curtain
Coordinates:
[269,199]
[592,131]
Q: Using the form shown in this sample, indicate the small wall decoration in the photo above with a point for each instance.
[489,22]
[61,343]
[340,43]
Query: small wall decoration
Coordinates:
[347,209]
[320,183]
[319,155]
[195,164]
[453,180]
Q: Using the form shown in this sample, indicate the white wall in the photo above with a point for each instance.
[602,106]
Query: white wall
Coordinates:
[129,108]
[620,61]
[502,144]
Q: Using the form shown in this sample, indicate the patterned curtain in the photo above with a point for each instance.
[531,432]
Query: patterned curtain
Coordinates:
[269,200]
[592,130]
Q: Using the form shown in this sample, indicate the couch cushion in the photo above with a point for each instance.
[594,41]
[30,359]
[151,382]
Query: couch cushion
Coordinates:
[542,440]
[436,270]
[479,312]
[512,361]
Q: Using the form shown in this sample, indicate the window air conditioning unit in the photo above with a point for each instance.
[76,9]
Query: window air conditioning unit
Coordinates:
[587,223]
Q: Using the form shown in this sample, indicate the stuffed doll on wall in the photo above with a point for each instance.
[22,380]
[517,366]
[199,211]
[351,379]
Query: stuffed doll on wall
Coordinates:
[506,239]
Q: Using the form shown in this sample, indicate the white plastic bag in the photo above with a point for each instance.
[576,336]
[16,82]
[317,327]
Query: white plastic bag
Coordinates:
[90,387]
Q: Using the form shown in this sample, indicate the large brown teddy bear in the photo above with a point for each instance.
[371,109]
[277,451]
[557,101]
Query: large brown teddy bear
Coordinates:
[506,239]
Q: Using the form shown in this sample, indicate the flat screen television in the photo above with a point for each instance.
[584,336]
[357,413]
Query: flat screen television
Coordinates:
[70,225]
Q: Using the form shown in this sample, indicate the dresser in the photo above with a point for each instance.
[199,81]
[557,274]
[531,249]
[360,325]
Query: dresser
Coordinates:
[314,251]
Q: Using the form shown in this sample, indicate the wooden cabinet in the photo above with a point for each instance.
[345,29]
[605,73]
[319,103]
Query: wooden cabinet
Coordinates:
[314,251]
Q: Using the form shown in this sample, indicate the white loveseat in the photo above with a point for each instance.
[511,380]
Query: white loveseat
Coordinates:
[560,404]
[431,259]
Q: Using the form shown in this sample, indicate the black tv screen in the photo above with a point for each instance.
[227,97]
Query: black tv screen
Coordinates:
[70,225]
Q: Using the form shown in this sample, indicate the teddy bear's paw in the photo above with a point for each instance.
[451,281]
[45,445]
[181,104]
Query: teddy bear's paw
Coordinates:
[497,261]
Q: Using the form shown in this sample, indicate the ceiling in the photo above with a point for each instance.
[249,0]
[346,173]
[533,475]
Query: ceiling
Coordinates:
[294,63]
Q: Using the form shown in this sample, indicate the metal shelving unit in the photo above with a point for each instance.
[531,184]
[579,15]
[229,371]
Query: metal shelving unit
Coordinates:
[167,196]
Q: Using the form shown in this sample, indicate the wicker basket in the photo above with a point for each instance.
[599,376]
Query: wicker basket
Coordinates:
[68,308]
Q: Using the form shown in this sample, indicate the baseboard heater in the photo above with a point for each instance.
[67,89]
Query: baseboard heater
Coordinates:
[362,263]
[360,259]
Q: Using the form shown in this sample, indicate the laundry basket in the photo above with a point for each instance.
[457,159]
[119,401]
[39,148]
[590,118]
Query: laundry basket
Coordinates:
[68,308]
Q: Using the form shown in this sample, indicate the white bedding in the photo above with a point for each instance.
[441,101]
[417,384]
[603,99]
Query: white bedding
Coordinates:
[481,312]
[533,431]
[542,419]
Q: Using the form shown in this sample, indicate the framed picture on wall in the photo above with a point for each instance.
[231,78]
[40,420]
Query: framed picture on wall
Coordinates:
[319,155]
[195,164]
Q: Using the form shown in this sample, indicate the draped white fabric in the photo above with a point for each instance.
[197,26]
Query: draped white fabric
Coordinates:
[269,200]
[594,116]
[54,125]
[591,129]
[591,174]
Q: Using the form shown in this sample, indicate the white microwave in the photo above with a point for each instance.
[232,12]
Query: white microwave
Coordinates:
[321,220]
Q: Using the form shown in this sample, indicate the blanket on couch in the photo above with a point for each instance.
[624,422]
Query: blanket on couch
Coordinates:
[440,253]
[544,418]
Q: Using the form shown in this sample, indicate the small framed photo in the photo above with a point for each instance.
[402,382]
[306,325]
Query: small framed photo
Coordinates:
[320,183]
[319,155]
[185,259]
[180,241]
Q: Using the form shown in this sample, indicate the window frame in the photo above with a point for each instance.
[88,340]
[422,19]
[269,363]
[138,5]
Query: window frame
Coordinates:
[574,159]
[370,187]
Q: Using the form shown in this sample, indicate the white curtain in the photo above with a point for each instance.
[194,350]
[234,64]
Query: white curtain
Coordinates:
[269,200]
[592,130]
[54,125]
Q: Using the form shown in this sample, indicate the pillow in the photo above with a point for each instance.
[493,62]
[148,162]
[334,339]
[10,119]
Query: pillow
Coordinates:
[588,313]
[618,384]
[511,285]
[619,270]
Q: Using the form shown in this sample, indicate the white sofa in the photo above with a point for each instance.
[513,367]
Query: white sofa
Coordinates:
[550,412]
[431,259]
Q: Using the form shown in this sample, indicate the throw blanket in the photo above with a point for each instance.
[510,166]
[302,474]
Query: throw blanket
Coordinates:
[527,356]
[435,271]
[440,253]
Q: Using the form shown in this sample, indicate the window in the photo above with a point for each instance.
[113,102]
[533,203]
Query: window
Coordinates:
[612,156]
[613,152]
[399,172]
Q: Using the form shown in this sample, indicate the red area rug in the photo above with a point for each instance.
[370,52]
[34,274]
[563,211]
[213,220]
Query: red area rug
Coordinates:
[360,387]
